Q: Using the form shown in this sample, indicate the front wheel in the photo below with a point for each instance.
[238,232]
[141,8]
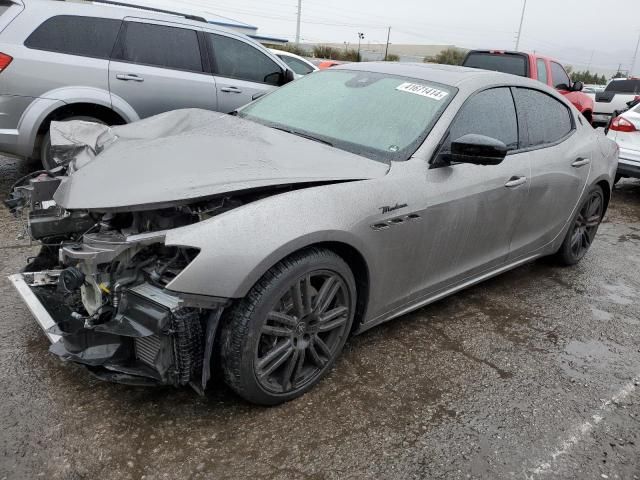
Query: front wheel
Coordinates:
[280,340]
[583,228]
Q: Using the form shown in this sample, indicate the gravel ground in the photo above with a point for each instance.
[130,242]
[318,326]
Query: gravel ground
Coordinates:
[534,374]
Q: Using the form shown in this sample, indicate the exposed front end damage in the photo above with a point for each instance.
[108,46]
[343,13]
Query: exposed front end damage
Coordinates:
[103,303]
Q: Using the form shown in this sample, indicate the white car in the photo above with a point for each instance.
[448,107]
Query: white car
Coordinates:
[625,131]
[298,64]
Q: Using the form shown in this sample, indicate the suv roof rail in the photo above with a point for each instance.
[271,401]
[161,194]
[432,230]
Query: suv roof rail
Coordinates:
[188,16]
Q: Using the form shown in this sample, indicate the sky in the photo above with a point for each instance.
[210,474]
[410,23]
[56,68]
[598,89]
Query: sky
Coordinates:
[580,33]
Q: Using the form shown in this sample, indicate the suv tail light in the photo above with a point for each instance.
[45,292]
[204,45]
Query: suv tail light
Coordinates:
[5,60]
[621,124]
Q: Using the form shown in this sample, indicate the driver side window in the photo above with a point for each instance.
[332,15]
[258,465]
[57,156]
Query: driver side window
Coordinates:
[491,113]
[236,59]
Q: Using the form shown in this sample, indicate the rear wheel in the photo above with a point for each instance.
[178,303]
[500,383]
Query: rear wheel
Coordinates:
[46,153]
[583,228]
[280,340]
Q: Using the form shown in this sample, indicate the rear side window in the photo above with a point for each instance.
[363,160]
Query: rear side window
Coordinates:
[542,71]
[84,36]
[491,113]
[547,120]
[498,62]
[560,77]
[624,86]
[236,59]
[159,46]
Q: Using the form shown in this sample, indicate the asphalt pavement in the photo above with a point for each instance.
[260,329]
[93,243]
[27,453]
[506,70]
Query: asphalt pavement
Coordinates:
[534,374]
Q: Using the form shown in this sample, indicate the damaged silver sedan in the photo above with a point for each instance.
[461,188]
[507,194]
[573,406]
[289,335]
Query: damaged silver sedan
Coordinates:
[256,243]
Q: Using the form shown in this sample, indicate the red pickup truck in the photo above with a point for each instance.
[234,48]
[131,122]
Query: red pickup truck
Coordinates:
[545,69]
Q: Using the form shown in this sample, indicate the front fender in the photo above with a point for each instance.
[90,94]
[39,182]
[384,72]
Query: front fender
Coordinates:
[238,247]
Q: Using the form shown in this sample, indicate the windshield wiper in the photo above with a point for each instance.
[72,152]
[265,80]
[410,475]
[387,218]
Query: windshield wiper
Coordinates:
[303,135]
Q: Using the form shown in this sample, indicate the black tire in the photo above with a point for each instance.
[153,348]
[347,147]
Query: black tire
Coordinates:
[584,226]
[246,331]
[46,156]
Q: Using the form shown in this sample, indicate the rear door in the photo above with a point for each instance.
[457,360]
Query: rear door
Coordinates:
[560,163]
[243,72]
[158,66]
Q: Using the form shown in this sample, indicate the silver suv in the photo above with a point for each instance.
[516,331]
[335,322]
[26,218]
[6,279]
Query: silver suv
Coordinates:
[114,64]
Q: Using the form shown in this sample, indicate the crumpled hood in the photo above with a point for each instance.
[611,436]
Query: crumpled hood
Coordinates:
[189,154]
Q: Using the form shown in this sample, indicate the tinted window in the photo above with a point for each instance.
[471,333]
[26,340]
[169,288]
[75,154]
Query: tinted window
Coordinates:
[560,77]
[490,113]
[624,86]
[542,71]
[498,62]
[86,36]
[380,116]
[547,119]
[296,65]
[160,46]
[237,59]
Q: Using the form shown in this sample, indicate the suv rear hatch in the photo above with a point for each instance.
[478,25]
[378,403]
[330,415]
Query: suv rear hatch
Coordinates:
[9,10]
[623,87]
[498,61]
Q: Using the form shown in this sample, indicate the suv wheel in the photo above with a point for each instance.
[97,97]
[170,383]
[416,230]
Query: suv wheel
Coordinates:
[285,335]
[46,154]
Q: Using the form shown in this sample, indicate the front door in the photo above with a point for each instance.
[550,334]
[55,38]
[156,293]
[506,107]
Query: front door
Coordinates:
[157,67]
[470,211]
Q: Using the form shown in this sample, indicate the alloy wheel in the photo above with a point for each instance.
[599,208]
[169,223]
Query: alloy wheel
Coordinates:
[586,224]
[303,332]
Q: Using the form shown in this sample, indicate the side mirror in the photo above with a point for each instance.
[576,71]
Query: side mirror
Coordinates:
[287,76]
[577,86]
[478,150]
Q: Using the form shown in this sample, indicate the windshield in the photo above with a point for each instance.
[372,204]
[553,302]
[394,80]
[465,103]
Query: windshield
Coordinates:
[624,86]
[380,116]
[512,63]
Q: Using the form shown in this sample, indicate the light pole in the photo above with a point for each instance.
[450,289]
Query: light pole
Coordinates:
[360,38]
[635,57]
[524,7]
[298,22]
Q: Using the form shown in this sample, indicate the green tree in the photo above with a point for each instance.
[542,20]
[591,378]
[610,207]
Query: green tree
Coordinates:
[392,57]
[449,56]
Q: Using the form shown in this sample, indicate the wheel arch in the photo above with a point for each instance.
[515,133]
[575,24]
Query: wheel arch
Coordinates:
[606,190]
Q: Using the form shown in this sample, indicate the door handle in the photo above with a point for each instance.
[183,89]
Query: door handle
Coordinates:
[128,77]
[581,162]
[231,90]
[515,182]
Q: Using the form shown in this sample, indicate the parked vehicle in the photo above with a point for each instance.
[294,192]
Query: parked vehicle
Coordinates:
[324,64]
[300,65]
[624,129]
[614,99]
[257,243]
[590,88]
[544,69]
[64,60]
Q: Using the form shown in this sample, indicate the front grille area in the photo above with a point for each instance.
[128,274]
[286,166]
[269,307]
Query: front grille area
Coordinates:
[147,349]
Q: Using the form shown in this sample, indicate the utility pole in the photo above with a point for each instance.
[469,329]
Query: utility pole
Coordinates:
[386,50]
[590,60]
[524,7]
[298,22]
[635,57]
[360,38]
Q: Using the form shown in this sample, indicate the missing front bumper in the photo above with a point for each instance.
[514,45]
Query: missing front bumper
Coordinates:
[152,339]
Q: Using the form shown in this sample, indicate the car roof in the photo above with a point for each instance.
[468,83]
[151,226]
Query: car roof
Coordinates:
[121,9]
[446,74]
